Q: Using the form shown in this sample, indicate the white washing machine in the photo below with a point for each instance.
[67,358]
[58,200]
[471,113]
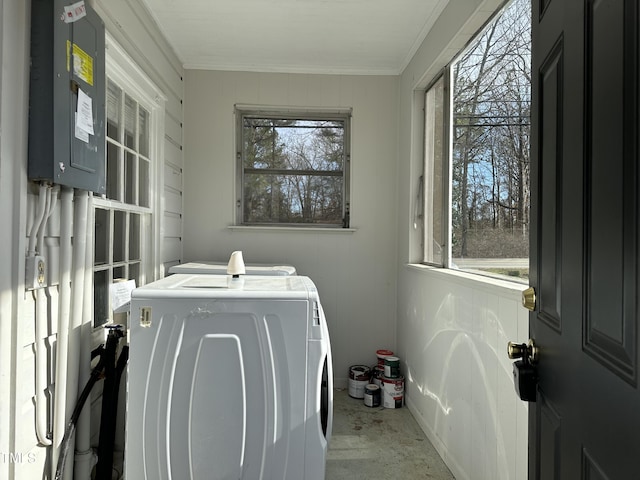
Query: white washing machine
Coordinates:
[220,268]
[228,383]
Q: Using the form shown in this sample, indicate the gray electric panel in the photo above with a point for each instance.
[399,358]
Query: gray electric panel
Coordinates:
[67,95]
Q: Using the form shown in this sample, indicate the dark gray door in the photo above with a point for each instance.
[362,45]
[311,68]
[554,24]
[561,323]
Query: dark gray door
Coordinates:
[584,264]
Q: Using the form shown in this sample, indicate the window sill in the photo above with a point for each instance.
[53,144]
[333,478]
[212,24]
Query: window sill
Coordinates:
[266,228]
[489,284]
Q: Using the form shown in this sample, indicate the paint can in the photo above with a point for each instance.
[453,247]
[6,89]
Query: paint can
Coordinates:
[359,377]
[392,367]
[392,392]
[377,373]
[372,395]
[382,354]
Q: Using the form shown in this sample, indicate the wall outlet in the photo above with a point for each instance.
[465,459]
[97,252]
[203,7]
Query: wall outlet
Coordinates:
[35,272]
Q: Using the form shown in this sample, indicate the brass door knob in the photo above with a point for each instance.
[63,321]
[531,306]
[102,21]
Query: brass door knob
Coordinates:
[516,350]
[526,351]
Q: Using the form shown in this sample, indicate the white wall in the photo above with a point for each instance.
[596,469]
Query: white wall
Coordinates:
[354,271]
[453,332]
[14,380]
[453,327]
[20,456]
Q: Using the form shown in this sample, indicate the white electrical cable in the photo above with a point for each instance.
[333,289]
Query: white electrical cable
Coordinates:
[41,332]
[37,221]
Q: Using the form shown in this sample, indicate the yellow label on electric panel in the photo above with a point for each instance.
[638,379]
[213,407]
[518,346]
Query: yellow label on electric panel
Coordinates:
[82,63]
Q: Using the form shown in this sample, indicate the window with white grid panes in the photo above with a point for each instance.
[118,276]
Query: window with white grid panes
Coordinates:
[122,218]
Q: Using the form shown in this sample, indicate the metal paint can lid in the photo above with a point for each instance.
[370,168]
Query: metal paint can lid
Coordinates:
[392,367]
[382,354]
[359,372]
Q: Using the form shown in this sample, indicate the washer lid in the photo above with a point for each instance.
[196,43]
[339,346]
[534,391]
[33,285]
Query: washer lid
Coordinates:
[220,268]
[224,286]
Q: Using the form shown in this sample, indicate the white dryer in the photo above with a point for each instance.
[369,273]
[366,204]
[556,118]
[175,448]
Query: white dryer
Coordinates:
[220,268]
[228,384]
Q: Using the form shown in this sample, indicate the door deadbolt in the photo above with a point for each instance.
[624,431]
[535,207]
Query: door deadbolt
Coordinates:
[529,299]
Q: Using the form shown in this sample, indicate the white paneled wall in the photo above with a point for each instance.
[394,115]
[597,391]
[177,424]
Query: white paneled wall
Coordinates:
[453,338]
[19,455]
[355,270]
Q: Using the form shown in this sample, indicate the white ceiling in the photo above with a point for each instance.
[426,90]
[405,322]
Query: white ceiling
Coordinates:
[310,36]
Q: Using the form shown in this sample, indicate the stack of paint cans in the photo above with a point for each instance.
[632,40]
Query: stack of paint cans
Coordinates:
[378,369]
[391,382]
[379,385]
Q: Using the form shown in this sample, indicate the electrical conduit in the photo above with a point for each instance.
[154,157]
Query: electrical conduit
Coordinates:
[84,453]
[77,301]
[62,348]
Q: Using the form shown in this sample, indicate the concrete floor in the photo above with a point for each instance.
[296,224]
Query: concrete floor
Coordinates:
[379,444]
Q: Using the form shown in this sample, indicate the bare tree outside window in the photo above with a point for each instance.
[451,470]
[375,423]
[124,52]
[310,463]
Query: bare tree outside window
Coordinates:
[293,169]
[491,106]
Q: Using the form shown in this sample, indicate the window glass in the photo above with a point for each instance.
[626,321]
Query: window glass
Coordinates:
[101,244]
[114,100]
[434,177]
[113,168]
[101,297]
[129,122]
[143,132]
[120,242]
[130,178]
[143,183]
[134,236]
[119,273]
[488,152]
[293,169]
[134,273]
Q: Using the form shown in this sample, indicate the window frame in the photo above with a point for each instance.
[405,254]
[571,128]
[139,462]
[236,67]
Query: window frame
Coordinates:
[290,113]
[446,74]
[445,211]
[124,73]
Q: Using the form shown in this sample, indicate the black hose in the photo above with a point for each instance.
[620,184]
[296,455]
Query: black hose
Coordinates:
[96,352]
[109,412]
[71,426]
[120,366]
[112,374]
[104,467]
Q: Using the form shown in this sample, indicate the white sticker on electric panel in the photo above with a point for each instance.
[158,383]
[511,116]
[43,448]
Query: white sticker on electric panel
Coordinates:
[79,133]
[74,12]
[84,120]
